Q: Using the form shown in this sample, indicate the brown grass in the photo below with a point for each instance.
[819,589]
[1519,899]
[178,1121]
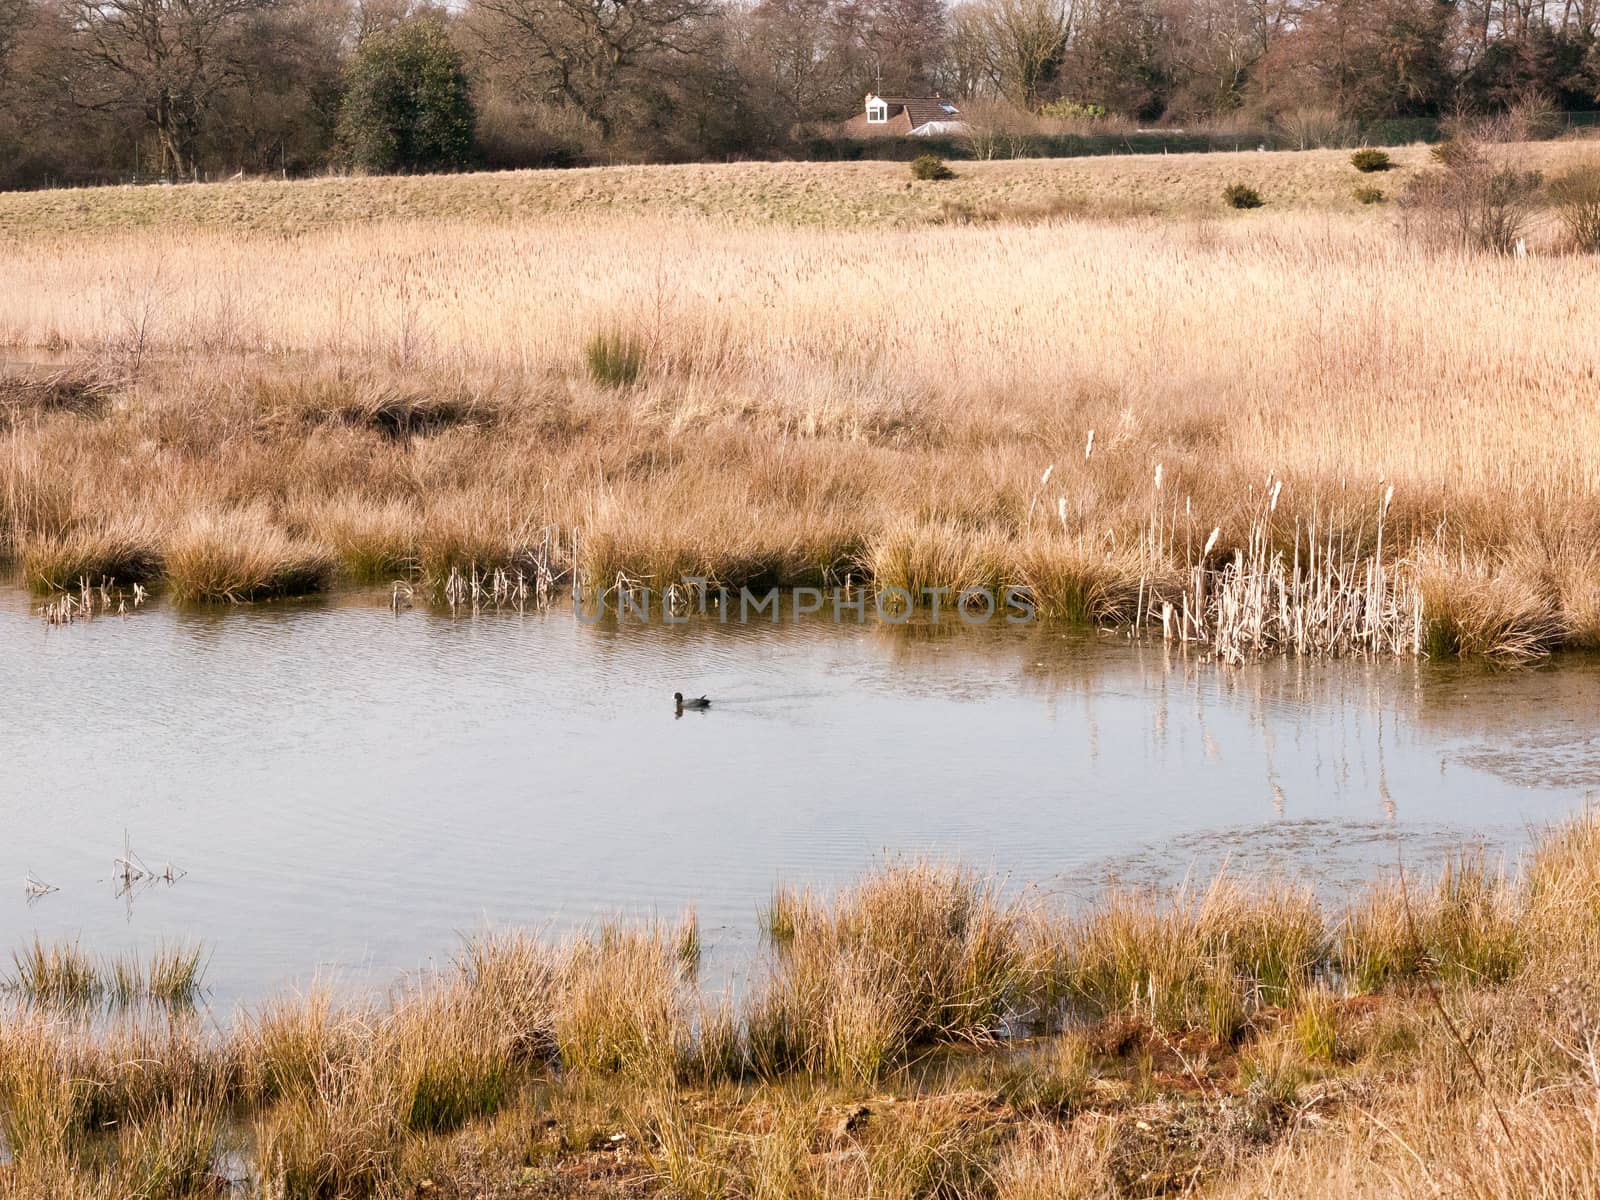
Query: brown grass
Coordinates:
[1229,1040]
[401,399]
[855,194]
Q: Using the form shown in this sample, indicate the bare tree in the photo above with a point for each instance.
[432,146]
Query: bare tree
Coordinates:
[13,15]
[171,58]
[1027,41]
[802,54]
[587,53]
[970,68]
[902,41]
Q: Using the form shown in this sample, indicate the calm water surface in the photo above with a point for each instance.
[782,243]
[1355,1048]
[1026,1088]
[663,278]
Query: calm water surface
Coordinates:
[350,790]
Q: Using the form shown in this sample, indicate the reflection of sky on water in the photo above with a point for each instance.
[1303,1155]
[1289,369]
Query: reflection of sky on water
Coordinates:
[351,788]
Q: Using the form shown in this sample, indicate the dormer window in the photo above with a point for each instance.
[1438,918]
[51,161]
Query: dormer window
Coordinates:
[877,112]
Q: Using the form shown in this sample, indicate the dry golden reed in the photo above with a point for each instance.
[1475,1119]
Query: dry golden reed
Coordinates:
[1087,408]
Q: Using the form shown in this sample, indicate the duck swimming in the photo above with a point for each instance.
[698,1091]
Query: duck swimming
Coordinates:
[697,702]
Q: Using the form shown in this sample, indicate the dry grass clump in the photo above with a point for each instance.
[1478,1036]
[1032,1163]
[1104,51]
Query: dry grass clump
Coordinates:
[172,1150]
[373,542]
[114,550]
[518,980]
[240,555]
[1481,606]
[44,1103]
[33,394]
[1378,941]
[623,1007]
[1203,959]
[339,1136]
[1092,585]
[1048,1161]
[450,1059]
[133,1108]
[60,974]
[916,559]
[913,954]
[173,977]
[292,1042]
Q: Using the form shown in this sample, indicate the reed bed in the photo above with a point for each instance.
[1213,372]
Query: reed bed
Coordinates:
[414,402]
[920,1033]
[64,976]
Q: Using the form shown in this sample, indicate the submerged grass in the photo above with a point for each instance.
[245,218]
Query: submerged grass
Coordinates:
[58,974]
[1181,1042]
[64,976]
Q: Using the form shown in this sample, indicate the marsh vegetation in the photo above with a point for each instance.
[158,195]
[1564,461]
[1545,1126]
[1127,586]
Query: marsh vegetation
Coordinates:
[1186,426]
[922,1033]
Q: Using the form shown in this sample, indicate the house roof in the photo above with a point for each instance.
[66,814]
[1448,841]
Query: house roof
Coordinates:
[922,109]
[905,115]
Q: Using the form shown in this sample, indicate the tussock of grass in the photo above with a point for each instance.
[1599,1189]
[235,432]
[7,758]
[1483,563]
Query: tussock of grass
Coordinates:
[1070,580]
[171,1151]
[175,974]
[450,1063]
[33,394]
[1483,607]
[43,1103]
[288,1047]
[338,1137]
[518,980]
[59,974]
[374,542]
[173,977]
[1203,960]
[615,359]
[241,555]
[623,1008]
[913,954]
[62,975]
[1378,941]
[109,550]
[946,555]
[459,533]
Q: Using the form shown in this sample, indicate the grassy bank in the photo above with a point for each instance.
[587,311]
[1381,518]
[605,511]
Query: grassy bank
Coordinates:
[835,195]
[917,1035]
[1283,431]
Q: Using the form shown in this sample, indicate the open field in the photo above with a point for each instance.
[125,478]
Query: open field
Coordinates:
[1238,1039]
[836,195]
[1089,407]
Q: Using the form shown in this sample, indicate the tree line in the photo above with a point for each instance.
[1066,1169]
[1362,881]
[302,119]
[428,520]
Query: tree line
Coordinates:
[106,90]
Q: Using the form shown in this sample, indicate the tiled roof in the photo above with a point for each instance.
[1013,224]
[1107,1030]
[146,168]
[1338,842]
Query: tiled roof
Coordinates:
[922,109]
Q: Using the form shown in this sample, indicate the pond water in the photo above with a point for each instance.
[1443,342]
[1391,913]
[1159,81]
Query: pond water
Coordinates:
[349,790]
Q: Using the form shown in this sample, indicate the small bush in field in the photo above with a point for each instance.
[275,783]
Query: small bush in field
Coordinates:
[1241,195]
[1369,161]
[1478,201]
[930,167]
[1369,195]
[1576,192]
